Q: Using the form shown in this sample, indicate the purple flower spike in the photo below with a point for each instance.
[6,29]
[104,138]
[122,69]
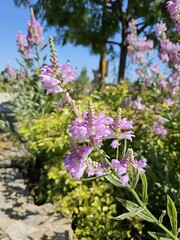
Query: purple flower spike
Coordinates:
[50,83]
[99,129]
[23,46]
[124,168]
[76,163]
[173,7]
[160,28]
[122,129]
[34,36]
[67,73]
[10,72]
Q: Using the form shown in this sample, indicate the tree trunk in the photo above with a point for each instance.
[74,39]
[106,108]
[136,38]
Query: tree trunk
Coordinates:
[103,62]
[124,31]
[102,69]
[122,62]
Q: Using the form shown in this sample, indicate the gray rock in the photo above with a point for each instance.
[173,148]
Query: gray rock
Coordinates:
[20,218]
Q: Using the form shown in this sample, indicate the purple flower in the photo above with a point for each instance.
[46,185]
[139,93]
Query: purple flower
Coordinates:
[169,52]
[162,82]
[95,130]
[174,9]
[50,83]
[140,57]
[90,170]
[114,144]
[67,73]
[122,129]
[160,28]
[163,56]
[154,68]
[34,36]
[10,72]
[94,168]
[178,27]
[159,129]
[124,168]
[169,101]
[140,165]
[23,46]
[125,179]
[121,167]
[76,162]
[139,103]
[127,101]
[137,48]
[149,46]
[141,73]
[54,85]
[60,104]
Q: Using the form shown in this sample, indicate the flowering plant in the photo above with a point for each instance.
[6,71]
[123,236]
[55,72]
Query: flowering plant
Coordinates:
[24,85]
[88,133]
[96,138]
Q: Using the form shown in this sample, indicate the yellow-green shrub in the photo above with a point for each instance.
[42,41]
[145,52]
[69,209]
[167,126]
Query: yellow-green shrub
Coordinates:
[92,203]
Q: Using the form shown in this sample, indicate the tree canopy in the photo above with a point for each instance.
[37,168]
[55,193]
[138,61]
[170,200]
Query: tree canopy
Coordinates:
[95,23]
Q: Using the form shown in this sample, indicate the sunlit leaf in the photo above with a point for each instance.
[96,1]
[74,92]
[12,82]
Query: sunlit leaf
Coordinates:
[133,207]
[172,213]
[160,236]
[144,188]
[125,215]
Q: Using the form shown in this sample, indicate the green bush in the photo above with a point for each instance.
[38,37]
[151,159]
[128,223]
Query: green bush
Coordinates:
[92,203]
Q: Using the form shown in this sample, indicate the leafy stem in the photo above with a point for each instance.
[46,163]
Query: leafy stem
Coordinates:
[155,220]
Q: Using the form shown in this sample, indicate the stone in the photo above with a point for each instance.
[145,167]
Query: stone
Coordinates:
[20,218]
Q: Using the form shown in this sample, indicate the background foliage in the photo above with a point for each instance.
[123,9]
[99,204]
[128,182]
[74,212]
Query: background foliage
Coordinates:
[43,128]
[88,202]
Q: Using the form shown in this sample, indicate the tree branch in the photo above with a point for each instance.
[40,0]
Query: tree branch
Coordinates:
[113,42]
[140,30]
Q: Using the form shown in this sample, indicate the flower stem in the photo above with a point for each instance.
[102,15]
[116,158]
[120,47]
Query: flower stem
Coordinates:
[156,221]
[117,152]
[124,149]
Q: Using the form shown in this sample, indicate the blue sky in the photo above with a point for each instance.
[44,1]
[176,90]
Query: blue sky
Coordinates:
[14,19]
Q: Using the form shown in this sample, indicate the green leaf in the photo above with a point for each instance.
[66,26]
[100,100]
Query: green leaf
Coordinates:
[114,181]
[144,188]
[135,179]
[125,215]
[172,213]
[159,236]
[133,207]
[162,216]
